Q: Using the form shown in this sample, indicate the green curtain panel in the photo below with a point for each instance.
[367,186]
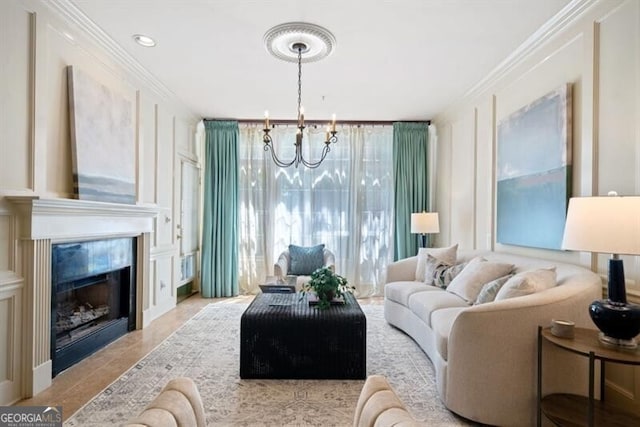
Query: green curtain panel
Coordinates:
[219,277]
[410,146]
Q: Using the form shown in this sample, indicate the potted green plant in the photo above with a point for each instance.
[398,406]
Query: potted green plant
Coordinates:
[327,285]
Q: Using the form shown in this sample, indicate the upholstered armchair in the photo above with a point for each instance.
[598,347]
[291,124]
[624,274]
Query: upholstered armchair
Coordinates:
[178,404]
[301,261]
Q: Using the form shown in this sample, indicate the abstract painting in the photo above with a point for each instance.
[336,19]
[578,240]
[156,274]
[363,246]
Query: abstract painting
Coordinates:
[534,172]
[102,141]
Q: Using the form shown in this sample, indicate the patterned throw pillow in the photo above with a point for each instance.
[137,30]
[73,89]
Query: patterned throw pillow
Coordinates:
[305,260]
[490,290]
[444,276]
[448,255]
[432,267]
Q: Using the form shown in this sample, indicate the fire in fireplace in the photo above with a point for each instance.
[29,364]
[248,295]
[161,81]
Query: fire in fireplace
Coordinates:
[93,297]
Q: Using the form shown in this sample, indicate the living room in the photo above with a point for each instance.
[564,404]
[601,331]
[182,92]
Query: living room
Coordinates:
[593,46]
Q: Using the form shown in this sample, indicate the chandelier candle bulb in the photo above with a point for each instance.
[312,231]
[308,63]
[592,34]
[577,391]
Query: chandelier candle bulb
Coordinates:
[266,119]
[333,122]
[327,134]
[301,116]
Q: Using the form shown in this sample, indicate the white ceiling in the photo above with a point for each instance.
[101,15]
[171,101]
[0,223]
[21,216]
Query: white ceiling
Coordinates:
[394,60]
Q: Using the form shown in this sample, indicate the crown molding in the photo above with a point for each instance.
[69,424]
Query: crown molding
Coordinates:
[573,11]
[72,15]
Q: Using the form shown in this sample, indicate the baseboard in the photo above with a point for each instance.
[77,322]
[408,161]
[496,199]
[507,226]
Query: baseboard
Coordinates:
[41,377]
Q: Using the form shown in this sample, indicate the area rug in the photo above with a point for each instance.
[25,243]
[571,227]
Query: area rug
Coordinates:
[207,349]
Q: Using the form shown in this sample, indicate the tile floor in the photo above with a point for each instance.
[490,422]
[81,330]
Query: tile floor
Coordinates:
[77,385]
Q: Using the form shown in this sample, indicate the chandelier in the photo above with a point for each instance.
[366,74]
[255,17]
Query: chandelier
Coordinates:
[289,42]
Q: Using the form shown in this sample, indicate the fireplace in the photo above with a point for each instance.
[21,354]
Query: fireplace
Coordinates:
[93,298]
[43,223]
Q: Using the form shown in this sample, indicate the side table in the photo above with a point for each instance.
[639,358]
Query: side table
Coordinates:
[573,410]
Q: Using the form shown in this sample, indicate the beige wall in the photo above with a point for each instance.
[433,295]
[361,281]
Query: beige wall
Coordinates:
[35,152]
[598,52]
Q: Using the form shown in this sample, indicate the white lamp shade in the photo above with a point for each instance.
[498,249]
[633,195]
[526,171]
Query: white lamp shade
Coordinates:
[607,224]
[425,222]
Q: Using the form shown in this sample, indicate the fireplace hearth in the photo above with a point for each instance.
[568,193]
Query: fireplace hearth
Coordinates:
[93,297]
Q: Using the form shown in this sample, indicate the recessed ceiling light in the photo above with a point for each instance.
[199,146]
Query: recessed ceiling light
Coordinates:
[143,40]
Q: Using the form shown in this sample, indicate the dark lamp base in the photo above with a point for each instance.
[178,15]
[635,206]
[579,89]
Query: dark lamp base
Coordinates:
[619,322]
[616,342]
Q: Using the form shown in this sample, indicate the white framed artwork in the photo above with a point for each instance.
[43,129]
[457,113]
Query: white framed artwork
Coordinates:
[102,141]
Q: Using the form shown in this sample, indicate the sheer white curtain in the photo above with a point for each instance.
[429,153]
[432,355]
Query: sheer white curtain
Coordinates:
[346,203]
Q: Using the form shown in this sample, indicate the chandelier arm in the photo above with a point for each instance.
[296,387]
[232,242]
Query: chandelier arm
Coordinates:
[268,147]
[279,162]
[313,165]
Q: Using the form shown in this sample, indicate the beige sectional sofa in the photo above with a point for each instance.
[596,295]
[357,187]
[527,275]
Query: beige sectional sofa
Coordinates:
[485,355]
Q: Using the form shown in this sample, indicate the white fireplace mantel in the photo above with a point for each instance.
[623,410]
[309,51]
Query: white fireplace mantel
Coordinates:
[43,222]
[72,219]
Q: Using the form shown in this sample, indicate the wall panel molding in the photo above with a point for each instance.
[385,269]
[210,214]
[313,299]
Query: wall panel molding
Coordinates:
[17,29]
[10,344]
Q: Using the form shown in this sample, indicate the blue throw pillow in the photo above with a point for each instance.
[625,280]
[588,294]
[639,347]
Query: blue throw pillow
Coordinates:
[305,260]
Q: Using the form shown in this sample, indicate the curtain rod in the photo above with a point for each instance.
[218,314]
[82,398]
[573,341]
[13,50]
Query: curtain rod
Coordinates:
[320,122]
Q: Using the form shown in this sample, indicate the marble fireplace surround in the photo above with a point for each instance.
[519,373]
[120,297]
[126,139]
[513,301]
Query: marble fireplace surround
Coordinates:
[43,222]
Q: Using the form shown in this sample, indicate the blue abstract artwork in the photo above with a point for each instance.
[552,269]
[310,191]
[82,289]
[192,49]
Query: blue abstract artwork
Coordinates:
[534,172]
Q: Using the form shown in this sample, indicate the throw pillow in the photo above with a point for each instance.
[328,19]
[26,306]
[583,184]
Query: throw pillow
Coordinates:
[444,275]
[527,283]
[490,290]
[305,260]
[447,255]
[432,266]
[479,271]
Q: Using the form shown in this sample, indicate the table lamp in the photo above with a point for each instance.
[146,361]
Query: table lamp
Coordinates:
[608,224]
[424,223]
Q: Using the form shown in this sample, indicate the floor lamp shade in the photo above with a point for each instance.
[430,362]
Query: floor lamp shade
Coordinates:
[608,224]
[424,223]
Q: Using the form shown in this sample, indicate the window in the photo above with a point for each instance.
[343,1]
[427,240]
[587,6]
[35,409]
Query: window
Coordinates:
[346,203]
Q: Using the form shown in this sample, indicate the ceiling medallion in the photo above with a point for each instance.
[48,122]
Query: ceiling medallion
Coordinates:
[299,42]
[280,39]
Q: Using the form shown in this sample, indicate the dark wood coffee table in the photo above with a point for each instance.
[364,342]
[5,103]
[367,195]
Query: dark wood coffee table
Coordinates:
[283,337]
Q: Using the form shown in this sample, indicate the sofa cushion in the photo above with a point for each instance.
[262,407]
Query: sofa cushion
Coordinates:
[490,290]
[528,282]
[305,260]
[479,271]
[441,324]
[448,255]
[424,304]
[401,291]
